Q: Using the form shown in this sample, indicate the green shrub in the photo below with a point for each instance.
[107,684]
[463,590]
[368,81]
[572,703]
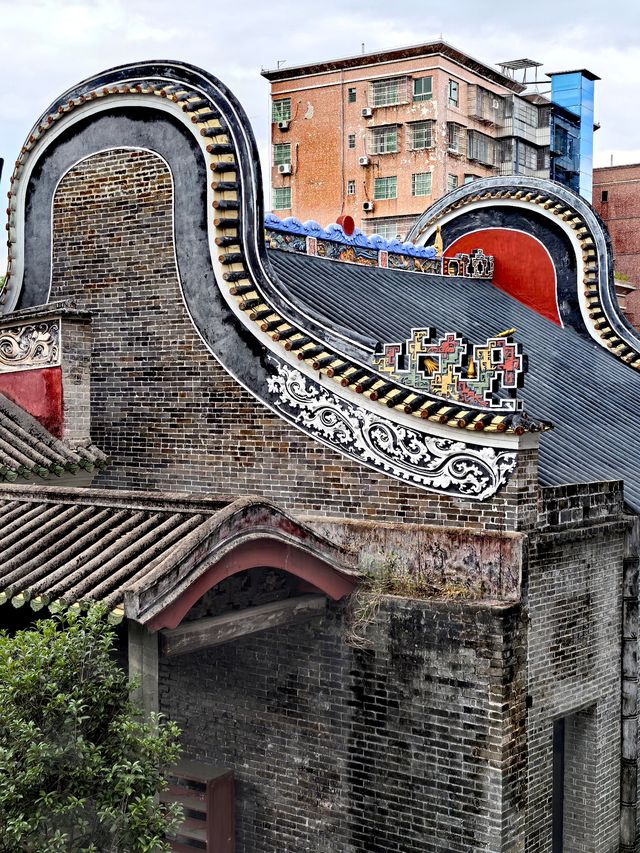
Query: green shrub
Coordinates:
[80,767]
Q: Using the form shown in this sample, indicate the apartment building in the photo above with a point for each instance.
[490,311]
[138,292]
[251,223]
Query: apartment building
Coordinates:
[616,197]
[380,136]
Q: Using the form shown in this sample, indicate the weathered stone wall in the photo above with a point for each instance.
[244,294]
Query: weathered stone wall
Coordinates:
[573,596]
[415,745]
[164,409]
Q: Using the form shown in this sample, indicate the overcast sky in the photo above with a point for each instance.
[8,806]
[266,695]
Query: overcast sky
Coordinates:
[48,45]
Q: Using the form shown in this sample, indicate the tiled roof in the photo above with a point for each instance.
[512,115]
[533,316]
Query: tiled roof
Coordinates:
[27,449]
[73,546]
[588,394]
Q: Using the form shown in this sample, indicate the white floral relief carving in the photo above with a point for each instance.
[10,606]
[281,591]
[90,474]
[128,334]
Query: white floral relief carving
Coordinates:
[31,345]
[431,462]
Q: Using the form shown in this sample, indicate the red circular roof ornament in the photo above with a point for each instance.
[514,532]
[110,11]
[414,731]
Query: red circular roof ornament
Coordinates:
[347,223]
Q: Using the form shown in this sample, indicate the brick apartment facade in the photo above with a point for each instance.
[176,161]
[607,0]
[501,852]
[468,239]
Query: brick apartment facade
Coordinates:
[282,459]
[379,137]
[615,197]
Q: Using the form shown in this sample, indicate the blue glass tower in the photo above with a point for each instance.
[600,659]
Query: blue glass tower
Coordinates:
[573,90]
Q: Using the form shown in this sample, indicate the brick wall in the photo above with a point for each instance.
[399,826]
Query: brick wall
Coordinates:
[573,595]
[416,744]
[163,408]
[576,504]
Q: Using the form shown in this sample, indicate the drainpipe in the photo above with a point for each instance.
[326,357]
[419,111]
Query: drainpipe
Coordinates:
[629,765]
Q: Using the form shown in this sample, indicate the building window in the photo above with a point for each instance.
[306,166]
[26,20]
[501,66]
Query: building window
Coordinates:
[421,134]
[454,94]
[527,157]
[352,95]
[281,110]
[385,187]
[468,178]
[452,182]
[605,195]
[385,93]
[351,140]
[482,148]
[455,138]
[528,113]
[351,187]
[383,140]
[391,228]
[422,89]
[421,183]
[281,153]
[281,198]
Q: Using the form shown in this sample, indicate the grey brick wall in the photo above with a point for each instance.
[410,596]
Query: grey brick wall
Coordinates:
[162,407]
[573,596]
[414,745]
[420,743]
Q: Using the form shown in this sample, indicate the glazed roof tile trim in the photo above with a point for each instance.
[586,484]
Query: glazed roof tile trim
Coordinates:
[28,449]
[335,232]
[66,547]
[258,306]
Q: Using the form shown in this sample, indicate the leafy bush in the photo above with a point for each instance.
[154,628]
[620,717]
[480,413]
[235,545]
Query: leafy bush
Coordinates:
[80,767]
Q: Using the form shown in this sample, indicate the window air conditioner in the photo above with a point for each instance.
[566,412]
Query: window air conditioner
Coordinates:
[367,112]
[363,161]
[367,206]
[284,168]
[283,126]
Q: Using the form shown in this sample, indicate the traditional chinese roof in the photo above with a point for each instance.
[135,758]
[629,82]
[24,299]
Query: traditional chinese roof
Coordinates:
[144,553]
[28,450]
[325,381]
[583,389]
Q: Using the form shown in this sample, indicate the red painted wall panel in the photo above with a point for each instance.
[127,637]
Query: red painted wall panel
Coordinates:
[523,267]
[38,392]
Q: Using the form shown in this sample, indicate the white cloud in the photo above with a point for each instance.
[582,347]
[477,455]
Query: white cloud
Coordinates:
[46,46]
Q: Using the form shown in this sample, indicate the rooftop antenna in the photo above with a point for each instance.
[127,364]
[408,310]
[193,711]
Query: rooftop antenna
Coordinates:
[363,48]
[281,62]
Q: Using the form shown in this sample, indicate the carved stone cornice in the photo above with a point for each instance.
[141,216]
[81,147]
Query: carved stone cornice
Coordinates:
[31,345]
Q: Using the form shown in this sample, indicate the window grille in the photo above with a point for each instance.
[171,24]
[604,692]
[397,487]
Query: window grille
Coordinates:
[281,110]
[386,93]
[389,227]
[281,198]
[383,140]
[351,187]
[281,153]
[385,187]
[352,95]
[455,138]
[351,140]
[421,134]
[482,148]
[421,183]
